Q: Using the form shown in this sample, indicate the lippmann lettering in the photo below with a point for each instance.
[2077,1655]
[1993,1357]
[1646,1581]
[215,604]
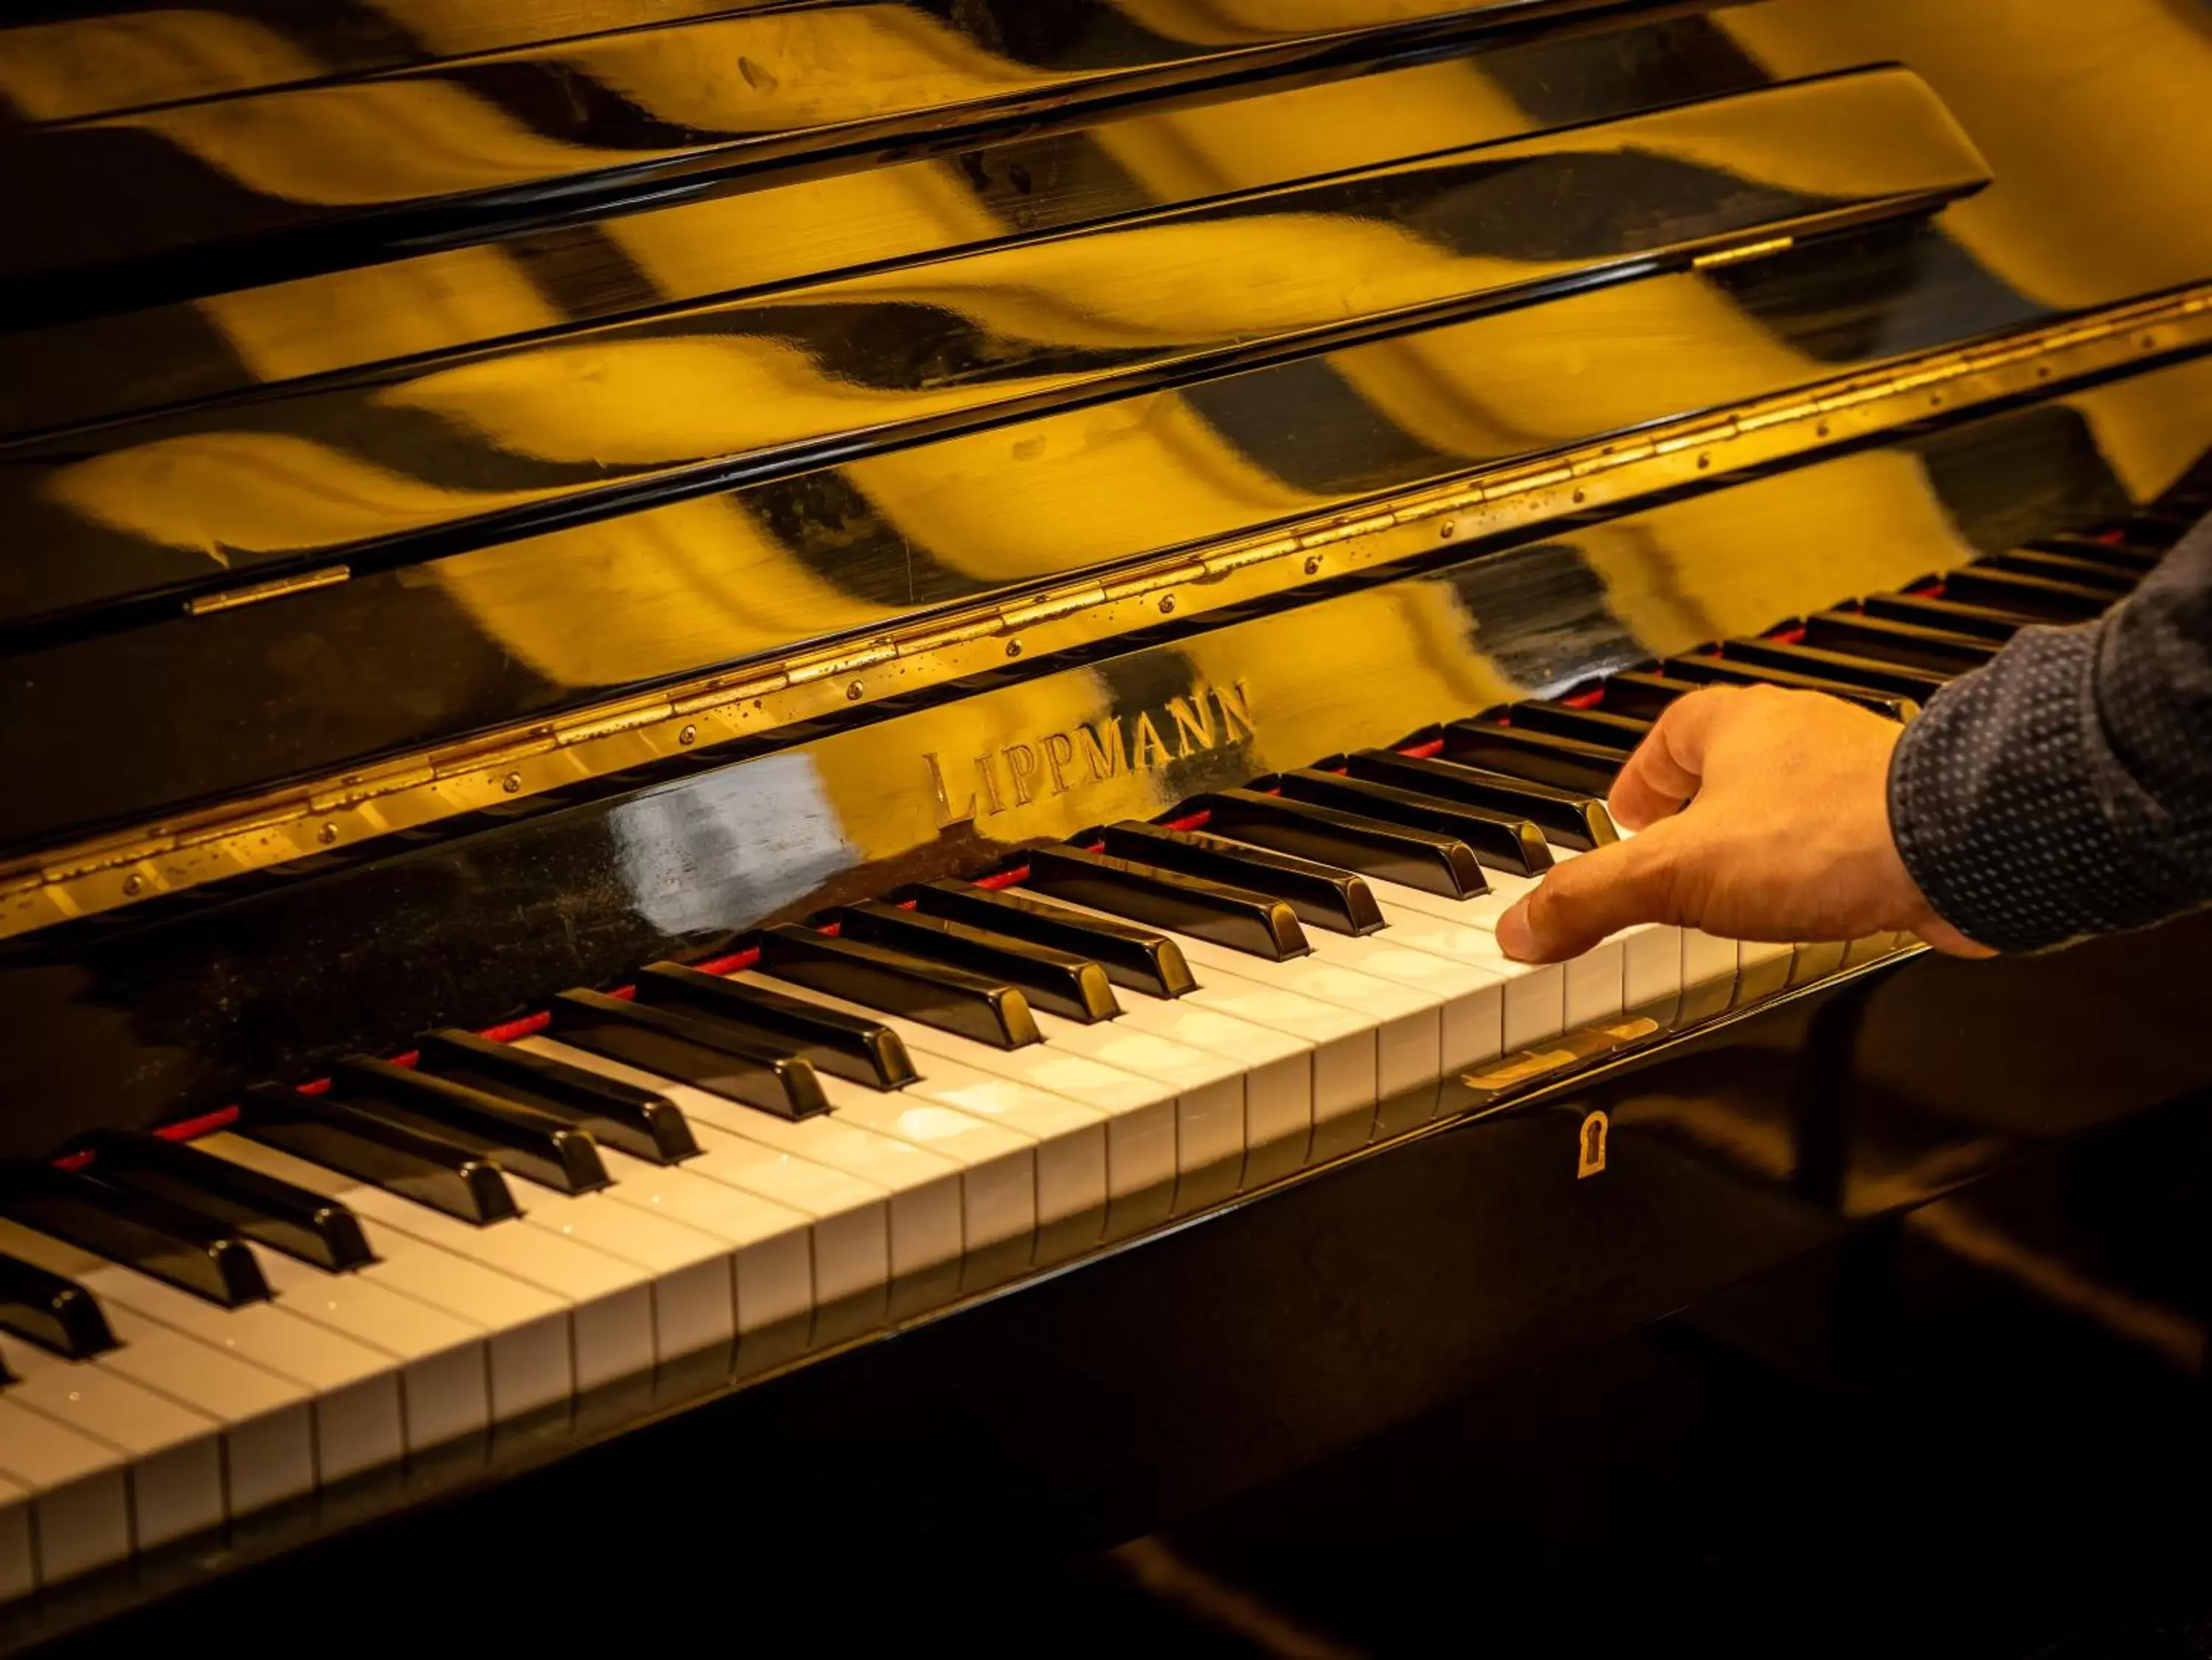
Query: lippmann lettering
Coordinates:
[1055,763]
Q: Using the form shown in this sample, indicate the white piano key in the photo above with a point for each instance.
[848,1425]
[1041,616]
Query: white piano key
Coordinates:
[771,1258]
[18,1562]
[1348,1072]
[1763,967]
[79,1487]
[445,1387]
[918,1192]
[1535,996]
[1407,1023]
[998,1164]
[354,1389]
[174,1454]
[849,1218]
[529,1346]
[1071,1181]
[1278,1069]
[268,1422]
[1140,1135]
[1706,957]
[688,1275]
[1209,1098]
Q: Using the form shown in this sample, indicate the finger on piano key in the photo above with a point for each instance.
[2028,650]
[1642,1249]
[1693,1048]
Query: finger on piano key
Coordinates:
[352,1391]
[521,1139]
[1139,1114]
[442,1357]
[1321,895]
[1414,858]
[1050,979]
[978,1006]
[1500,840]
[301,1224]
[1567,818]
[430,1170]
[205,1258]
[1608,727]
[1532,998]
[734,1062]
[51,1310]
[528,1345]
[1186,906]
[1563,763]
[864,1050]
[772,1257]
[688,1276]
[922,1188]
[642,1123]
[79,1488]
[1138,959]
[173,1454]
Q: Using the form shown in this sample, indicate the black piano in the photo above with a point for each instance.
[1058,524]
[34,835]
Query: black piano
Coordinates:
[758,759]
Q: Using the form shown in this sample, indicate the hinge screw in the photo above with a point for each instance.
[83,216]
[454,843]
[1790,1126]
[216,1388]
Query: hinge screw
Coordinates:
[511,783]
[689,735]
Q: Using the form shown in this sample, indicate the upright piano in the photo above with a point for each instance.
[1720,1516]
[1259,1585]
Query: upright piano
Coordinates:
[759,755]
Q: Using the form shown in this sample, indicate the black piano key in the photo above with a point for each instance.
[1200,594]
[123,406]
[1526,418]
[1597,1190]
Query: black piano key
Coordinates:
[1563,763]
[1057,981]
[1712,670]
[1256,923]
[521,1137]
[1569,817]
[430,1170]
[1502,840]
[1134,957]
[293,1220]
[2135,556]
[1645,696]
[1950,616]
[1322,895]
[1890,679]
[1607,726]
[1888,641]
[712,1055]
[2037,598]
[829,1040]
[971,1005]
[136,1229]
[640,1122]
[2061,568]
[51,1310]
[1433,862]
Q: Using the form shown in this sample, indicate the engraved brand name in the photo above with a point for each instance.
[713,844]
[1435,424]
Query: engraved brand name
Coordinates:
[1119,746]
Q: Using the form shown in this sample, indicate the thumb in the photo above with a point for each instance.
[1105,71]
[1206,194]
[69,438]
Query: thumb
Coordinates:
[1598,893]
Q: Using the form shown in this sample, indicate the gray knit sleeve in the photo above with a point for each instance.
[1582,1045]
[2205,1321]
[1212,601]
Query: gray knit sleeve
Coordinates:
[2065,789]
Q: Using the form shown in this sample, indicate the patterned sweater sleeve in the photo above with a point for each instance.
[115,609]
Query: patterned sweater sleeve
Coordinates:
[2065,788]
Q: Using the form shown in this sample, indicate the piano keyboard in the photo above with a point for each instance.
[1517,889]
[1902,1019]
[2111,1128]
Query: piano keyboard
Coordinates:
[856,1121]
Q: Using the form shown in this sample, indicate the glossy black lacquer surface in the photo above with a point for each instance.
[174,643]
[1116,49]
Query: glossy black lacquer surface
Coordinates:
[824,398]
[542,359]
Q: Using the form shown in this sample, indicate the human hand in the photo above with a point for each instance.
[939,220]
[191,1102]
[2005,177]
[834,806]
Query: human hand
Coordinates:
[1760,814]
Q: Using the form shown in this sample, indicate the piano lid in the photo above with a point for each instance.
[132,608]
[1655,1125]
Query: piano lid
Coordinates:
[565,437]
